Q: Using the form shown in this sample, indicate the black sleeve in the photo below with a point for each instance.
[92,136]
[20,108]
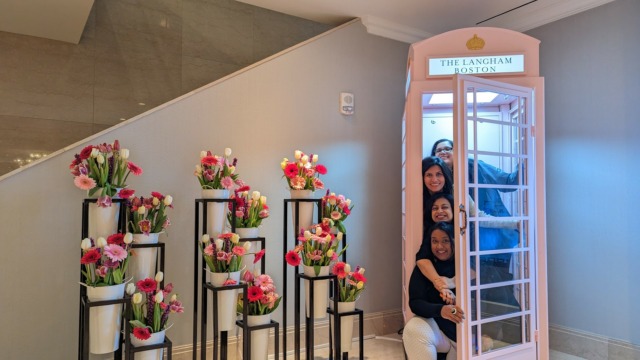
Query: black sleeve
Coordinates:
[425,251]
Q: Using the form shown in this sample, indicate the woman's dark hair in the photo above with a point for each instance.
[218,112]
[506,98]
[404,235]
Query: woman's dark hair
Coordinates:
[435,144]
[428,220]
[444,226]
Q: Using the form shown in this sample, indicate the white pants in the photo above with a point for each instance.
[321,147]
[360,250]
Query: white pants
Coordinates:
[423,339]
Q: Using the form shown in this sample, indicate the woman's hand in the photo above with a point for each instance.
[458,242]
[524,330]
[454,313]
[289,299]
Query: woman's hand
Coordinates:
[452,313]
[440,284]
[448,296]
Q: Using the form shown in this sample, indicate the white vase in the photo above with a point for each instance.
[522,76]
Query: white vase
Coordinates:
[216,211]
[259,338]
[104,321]
[156,338]
[248,233]
[143,264]
[305,220]
[103,221]
[227,300]
[320,292]
[346,324]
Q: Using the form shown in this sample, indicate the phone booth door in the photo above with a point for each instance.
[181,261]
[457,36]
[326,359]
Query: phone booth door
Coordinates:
[495,195]
[495,125]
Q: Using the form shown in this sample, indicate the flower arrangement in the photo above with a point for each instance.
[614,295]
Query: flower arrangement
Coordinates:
[250,210]
[148,214]
[336,208]
[216,172]
[105,261]
[261,294]
[350,283]
[318,247]
[224,254]
[304,172]
[103,167]
[151,314]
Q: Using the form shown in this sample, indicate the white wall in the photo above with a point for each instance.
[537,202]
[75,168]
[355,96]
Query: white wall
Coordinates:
[287,102]
[592,84]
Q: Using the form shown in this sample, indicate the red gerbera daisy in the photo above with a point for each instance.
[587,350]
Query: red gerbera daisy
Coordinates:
[135,169]
[254,293]
[157,194]
[141,333]
[209,160]
[126,193]
[321,169]
[117,239]
[359,277]
[258,256]
[90,257]
[147,285]
[291,170]
[338,269]
[292,258]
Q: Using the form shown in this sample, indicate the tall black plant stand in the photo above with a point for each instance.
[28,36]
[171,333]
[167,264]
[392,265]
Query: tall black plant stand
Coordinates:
[200,284]
[85,304]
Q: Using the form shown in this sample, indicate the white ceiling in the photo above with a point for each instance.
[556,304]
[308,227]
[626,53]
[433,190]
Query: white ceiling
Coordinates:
[404,20]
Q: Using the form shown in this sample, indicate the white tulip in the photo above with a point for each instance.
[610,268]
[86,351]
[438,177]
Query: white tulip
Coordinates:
[247,245]
[94,152]
[219,244]
[168,200]
[284,163]
[174,297]
[235,238]
[198,170]
[203,154]
[348,202]
[155,201]
[159,276]
[159,297]
[347,268]
[255,195]
[232,169]
[131,289]
[329,253]
[100,159]
[263,200]
[307,234]
[297,154]
[245,194]
[304,159]
[205,238]
[361,271]
[128,238]
[328,238]
[85,244]
[318,230]
[124,153]
[339,236]
[101,242]
[137,298]
[142,210]
[227,152]
[315,158]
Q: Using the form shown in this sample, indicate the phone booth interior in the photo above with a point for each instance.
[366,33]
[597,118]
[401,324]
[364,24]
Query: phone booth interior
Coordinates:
[480,89]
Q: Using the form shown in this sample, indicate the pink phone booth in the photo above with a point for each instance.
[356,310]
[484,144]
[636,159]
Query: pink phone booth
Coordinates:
[480,87]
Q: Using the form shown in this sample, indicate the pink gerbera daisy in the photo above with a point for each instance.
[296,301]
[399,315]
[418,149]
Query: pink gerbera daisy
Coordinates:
[84,182]
[227,182]
[298,182]
[115,252]
[238,250]
[335,215]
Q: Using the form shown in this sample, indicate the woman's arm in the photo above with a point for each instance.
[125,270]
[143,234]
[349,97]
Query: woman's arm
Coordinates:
[505,224]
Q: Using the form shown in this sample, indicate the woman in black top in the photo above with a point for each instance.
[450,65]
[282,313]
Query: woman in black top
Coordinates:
[433,329]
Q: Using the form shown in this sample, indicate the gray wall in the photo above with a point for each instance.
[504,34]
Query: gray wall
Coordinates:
[592,89]
[285,103]
[53,94]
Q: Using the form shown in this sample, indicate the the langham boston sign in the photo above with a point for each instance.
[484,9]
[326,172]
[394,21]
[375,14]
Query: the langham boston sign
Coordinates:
[476,65]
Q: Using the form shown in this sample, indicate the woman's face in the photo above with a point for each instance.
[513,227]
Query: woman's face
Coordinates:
[434,179]
[444,150]
[441,245]
[441,210]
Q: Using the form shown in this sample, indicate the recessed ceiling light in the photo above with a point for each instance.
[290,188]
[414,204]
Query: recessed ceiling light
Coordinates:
[141,104]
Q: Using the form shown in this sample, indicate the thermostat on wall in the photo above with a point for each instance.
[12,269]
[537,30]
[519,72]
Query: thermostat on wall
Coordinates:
[347,105]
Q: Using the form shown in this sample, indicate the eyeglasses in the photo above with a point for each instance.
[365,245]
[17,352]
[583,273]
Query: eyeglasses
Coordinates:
[444,150]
